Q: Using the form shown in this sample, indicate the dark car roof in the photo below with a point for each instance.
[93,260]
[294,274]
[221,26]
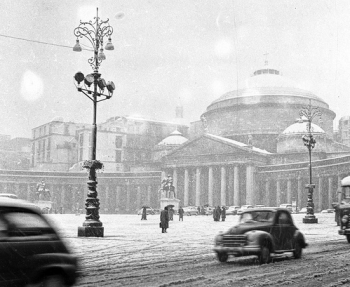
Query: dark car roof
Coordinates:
[265,209]
[11,202]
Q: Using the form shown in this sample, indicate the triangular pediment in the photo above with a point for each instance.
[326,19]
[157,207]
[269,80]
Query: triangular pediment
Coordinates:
[211,147]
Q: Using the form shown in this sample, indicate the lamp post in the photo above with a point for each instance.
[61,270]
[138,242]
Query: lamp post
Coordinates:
[309,113]
[94,87]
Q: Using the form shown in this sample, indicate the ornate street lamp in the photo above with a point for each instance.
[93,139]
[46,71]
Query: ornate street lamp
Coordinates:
[97,90]
[309,113]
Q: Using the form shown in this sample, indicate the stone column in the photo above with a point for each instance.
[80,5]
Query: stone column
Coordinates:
[250,185]
[127,196]
[330,192]
[175,180]
[267,201]
[230,186]
[28,192]
[339,192]
[17,189]
[278,192]
[198,186]
[236,200]
[63,198]
[289,191]
[320,201]
[149,190]
[106,207]
[138,197]
[210,186]
[186,188]
[117,198]
[300,194]
[223,185]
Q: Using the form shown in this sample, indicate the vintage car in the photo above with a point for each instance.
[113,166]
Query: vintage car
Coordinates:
[190,210]
[262,232]
[243,208]
[287,205]
[208,210]
[31,251]
[232,210]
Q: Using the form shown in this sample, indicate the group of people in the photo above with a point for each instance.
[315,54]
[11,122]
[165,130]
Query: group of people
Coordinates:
[218,212]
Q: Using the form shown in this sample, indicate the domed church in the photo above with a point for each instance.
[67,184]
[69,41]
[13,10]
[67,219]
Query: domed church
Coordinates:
[247,148]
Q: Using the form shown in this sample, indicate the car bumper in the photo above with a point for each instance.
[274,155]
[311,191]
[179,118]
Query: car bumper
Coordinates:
[344,232]
[241,250]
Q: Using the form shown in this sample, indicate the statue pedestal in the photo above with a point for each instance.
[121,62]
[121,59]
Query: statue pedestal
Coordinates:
[167,201]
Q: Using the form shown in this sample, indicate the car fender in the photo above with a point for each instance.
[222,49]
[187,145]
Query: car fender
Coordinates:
[298,236]
[260,237]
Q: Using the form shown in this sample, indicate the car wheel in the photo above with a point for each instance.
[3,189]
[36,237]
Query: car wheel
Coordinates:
[222,256]
[264,256]
[55,280]
[348,238]
[298,251]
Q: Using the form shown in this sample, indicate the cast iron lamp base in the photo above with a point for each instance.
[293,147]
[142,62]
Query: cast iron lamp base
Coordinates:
[90,231]
[310,219]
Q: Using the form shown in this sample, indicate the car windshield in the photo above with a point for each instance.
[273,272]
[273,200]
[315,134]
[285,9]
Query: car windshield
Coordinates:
[259,216]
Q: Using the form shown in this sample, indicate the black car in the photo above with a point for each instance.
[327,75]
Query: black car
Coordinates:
[31,252]
[262,232]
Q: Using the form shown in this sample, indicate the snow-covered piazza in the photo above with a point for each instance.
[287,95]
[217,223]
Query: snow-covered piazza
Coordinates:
[136,253]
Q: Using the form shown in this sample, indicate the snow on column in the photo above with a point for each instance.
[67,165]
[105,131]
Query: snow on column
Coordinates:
[289,191]
[250,196]
[236,200]
[267,193]
[320,197]
[223,185]
[186,188]
[210,186]
[300,190]
[278,192]
[198,186]
[330,197]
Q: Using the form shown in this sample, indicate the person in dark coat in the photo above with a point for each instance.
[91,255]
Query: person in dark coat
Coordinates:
[164,219]
[218,213]
[215,215]
[144,213]
[181,214]
[223,213]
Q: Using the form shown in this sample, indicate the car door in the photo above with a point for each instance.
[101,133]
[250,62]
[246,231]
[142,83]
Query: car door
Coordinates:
[283,231]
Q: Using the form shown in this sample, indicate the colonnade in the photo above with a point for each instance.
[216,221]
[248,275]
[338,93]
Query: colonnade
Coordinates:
[68,198]
[286,190]
[214,184]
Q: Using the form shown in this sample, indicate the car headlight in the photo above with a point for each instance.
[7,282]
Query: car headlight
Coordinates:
[218,239]
[345,219]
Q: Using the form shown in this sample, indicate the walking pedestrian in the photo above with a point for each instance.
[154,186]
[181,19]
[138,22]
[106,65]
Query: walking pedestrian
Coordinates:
[223,213]
[164,220]
[144,213]
[181,214]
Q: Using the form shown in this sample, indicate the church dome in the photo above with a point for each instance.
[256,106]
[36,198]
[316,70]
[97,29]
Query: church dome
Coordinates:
[175,138]
[267,104]
[301,127]
[266,85]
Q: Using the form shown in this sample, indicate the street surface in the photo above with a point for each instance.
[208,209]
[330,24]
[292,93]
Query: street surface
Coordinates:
[136,253]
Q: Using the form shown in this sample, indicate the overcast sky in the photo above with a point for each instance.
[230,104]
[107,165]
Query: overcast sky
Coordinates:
[166,52]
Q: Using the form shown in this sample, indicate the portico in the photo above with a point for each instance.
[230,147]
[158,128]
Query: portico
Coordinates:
[214,170]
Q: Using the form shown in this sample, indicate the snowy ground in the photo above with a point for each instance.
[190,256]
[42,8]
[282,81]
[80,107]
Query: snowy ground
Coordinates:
[136,253]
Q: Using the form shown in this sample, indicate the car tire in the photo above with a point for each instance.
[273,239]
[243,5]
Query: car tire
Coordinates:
[298,251]
[348,238]
[264,256]
[222,256]
[54,280]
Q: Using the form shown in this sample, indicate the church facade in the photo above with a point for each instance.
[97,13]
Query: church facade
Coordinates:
[246,148]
